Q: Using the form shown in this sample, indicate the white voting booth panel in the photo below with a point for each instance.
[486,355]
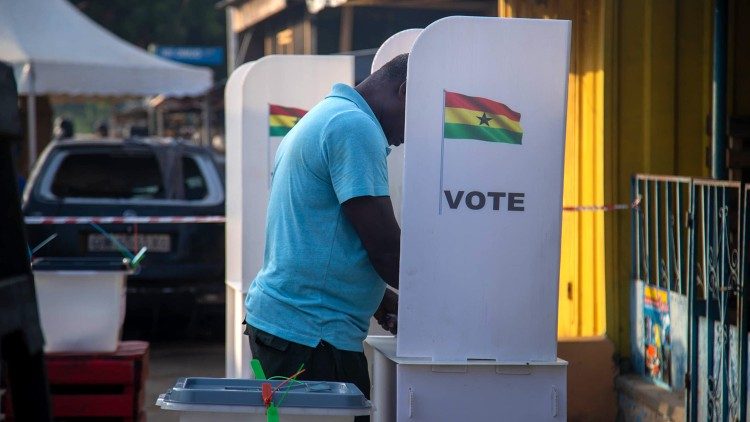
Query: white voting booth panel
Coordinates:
[290,81]
[421,389]
[481,219]
[399,43]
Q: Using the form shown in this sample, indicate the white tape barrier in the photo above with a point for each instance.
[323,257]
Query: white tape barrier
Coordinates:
[609,207]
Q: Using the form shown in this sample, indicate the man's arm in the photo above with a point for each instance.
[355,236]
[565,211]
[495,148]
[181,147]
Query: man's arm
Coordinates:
[375,223]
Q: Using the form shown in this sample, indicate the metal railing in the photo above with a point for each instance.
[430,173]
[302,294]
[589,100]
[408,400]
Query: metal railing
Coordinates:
[660,231]
[660,240]
[691,307]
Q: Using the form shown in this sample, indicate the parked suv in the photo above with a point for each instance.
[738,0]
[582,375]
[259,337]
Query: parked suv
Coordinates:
[138,177]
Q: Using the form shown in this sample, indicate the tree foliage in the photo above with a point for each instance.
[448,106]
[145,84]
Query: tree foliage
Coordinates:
[145,22]
[170,22]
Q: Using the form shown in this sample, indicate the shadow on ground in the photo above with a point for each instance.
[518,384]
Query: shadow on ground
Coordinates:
[171,360]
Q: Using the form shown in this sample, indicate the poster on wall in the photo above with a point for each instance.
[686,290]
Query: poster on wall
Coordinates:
[656,326]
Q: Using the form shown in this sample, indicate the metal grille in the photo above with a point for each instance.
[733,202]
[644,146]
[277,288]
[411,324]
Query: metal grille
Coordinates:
[690,244]
[716,299]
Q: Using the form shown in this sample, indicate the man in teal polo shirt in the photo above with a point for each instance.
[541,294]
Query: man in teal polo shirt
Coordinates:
[332,241]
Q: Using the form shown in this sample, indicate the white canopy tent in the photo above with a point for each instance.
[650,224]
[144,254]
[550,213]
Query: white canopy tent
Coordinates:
[57,50]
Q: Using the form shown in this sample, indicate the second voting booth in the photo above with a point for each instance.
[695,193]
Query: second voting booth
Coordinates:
[263,101]
[479,205]
[397,44]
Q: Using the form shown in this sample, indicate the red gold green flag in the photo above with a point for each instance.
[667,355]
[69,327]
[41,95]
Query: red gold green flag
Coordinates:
[480,119]
[281,119]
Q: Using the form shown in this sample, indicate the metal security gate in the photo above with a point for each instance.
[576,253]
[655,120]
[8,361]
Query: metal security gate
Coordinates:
[690,304]
[718,303]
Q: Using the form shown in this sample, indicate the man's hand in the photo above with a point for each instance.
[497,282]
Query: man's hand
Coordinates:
[387,313]
[376,226]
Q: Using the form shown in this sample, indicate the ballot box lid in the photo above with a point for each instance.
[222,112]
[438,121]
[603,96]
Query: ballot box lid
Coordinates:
[248,392]
[79,264]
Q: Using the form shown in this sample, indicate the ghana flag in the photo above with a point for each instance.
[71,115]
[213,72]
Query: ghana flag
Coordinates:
[281,119]
[481,119]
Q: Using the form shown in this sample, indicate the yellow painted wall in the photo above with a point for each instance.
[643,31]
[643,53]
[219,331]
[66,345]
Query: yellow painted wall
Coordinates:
[660,89]
[639,97]
[582,265]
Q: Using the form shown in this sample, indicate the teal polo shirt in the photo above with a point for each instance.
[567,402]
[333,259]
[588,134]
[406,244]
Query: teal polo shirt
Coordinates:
[317,282]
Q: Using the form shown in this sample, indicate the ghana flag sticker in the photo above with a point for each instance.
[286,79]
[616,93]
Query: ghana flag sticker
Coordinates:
[480,119]
[282,119]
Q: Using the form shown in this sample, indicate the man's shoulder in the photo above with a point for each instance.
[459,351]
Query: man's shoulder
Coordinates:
[350,122]
[350,117]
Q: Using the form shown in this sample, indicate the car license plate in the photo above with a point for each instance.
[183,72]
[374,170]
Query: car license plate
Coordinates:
[154,242]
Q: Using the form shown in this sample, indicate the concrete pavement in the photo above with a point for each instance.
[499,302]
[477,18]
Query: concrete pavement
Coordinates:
[172,360]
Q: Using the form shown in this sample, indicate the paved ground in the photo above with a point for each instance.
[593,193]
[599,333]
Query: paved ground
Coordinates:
[175,359]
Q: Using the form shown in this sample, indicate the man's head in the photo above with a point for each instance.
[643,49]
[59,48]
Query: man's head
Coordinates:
[63,128]
[385,92]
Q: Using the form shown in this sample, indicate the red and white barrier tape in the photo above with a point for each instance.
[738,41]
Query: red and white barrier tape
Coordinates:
[608,207]
[125,220]
[222,219]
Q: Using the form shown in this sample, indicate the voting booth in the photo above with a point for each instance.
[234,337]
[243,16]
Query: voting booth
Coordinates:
[480,225]
[264,99]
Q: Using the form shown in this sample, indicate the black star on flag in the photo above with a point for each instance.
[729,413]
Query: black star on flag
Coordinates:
[484,120]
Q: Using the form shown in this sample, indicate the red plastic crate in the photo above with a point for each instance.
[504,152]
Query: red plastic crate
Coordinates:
[97,385]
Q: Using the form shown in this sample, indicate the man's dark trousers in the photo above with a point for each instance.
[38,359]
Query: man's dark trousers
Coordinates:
[280,357]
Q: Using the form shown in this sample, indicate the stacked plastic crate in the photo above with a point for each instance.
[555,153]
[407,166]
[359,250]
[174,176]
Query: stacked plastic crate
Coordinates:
[97,385]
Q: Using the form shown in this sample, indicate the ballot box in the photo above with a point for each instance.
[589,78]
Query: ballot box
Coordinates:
[81,302]
[231,399]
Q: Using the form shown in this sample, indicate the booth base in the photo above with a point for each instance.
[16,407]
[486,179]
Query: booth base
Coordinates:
[237,349]
[417,389]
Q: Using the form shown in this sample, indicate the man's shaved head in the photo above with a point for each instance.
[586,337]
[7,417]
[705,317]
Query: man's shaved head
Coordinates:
[395,70]
[385,92]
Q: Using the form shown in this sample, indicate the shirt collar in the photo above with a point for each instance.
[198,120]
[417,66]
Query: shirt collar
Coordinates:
[348,93]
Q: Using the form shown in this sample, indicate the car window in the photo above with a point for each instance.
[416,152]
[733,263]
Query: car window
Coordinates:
[193,180]
[114,175]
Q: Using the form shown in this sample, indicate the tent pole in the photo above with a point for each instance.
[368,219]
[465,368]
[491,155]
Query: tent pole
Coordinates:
[31,117]
[151,120]
[206,127]
[159,121]
[231,43]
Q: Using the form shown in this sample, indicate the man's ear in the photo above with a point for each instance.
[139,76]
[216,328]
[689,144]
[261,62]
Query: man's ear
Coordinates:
[402,90]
